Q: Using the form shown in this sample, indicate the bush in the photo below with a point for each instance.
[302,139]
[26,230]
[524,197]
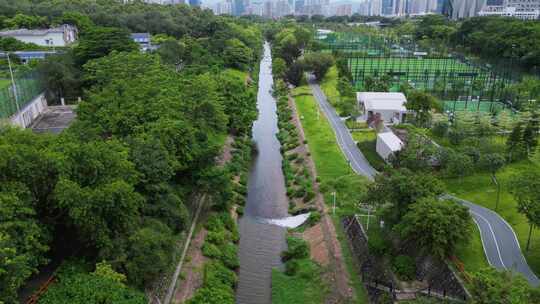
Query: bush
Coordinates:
[216,273]
[314,218]
[291,267]
[297,249]
[214,223]
[210,250]
[300,193]
[309,196]
[377,246]
[404,267]
[229,256]
[216,237]
[440,128]
[240,210]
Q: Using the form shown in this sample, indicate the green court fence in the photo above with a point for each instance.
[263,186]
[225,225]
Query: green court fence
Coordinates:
[27,87]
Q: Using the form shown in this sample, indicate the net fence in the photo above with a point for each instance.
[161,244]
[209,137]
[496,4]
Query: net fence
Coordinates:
[15,97]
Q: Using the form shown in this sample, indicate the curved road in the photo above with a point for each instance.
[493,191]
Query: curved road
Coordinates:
[499,240]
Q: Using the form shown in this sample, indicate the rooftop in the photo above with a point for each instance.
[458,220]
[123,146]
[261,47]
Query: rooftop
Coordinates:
[54,120]
[391,141]
[382,100]
[37,32]
[140,35]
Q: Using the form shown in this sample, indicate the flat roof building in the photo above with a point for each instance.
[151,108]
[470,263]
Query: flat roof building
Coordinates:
[388,107]
[59,36]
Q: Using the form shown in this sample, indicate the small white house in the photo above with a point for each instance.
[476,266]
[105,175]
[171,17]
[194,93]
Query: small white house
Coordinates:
[388,144]
[389,107]
[59,36]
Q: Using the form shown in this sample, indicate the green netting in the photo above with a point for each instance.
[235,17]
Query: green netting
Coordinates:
[27,88]
[473,106]
[443,76]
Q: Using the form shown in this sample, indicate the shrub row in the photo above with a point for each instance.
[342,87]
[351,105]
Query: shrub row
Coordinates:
[297,177]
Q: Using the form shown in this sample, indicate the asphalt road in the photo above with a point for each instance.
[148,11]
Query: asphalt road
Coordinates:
[356,159]
[501,246]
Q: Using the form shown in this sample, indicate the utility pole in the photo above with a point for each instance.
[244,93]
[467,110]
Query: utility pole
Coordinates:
[334,204]
[13,84]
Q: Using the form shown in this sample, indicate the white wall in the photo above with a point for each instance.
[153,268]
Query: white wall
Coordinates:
[382,149]
[30,112]
[57,38]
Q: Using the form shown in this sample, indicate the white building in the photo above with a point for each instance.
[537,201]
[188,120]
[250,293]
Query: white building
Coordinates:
[388,107]
[59,36]
[530,10]
[388,144]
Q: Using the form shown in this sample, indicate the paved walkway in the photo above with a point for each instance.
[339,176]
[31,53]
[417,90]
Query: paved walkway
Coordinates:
[499,240]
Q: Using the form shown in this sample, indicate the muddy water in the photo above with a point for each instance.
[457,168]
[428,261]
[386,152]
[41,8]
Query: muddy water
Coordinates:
[262,243]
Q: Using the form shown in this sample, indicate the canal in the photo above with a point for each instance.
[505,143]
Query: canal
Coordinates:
[260,243]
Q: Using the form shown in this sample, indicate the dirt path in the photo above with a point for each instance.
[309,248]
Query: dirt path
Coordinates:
[193,271]
[338,275]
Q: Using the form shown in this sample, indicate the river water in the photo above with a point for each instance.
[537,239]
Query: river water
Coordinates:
[261,243]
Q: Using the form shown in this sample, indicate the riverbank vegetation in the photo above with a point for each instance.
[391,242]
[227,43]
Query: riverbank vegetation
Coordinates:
[302,281]
[334,174]
[119,185]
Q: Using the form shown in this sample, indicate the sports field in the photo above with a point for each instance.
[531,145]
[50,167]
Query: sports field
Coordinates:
[473,106]
[421,73]
[369,65]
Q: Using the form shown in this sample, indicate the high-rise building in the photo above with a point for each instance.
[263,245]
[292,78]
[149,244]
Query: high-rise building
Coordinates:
[238,7]
[375,8]
[458,9]
[299,7]
[387,7]
[195,2]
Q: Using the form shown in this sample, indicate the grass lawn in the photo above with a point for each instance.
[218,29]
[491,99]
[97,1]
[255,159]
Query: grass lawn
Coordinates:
[479,189]
[333,172]
[4,83]
[329,86]
[472,254]
[367,142]
[305,286]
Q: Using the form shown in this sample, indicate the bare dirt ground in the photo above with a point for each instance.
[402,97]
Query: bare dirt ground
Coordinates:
[192,273]
[324,232]
[226,153]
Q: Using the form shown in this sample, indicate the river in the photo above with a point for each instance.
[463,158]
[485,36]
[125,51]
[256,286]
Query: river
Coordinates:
[260,243]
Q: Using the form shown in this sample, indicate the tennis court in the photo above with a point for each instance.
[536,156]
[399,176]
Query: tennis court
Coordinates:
[437,75]
[473,106]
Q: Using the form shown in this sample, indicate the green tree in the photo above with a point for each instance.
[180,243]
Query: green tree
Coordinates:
[458,164]
[279,67]
[100,41]
[23,241]
[422,104]
[295,73]
[76,286]
[525,188]
[437,226]
[237,54]
[514,144]
[395,190]
[318,63]
[148,253]
[493,286]
[60,77]
[530,133]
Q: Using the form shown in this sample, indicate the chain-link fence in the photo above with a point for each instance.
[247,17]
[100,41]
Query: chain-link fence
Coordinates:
[16,97]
